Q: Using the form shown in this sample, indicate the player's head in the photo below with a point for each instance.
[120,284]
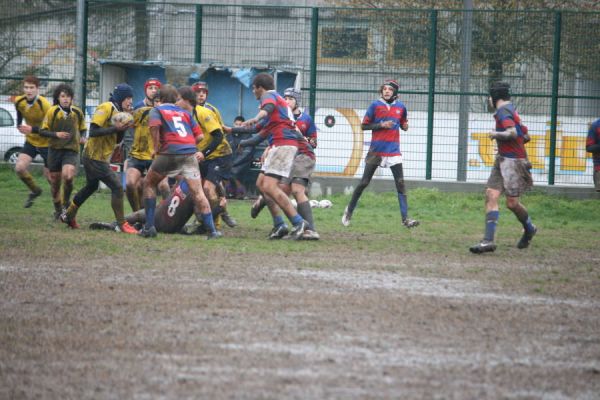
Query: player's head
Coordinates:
[201,90]
[122,96]
[63,95]
[238,121]
[292,96]
[262,83]
[168,94]
[151,87]
[31,86]
[187,98]
[389,90]
[499,91]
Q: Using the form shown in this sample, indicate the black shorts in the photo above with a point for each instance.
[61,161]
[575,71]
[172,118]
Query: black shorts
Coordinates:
[59,157]
[33,151]
[96,169]
[217,169]
[141,165]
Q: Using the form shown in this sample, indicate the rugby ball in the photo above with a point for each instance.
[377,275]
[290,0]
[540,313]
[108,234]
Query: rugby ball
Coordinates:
[122,118]
[314,203]
[325,203]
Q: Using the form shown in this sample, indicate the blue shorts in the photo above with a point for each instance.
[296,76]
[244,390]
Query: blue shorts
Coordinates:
[33,151]
[217,169]
[141,165]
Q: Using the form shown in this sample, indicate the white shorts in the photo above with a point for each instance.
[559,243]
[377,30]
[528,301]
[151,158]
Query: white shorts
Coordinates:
[383,161]
[279,161]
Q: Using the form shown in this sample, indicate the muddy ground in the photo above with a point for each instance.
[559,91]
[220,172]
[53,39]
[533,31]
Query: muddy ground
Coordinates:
[339,325]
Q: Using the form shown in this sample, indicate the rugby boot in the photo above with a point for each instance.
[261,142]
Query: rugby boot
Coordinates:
[278,232]
[346,217]
[410,223]
[257,206]
[126,228]
[214,235]
[103,226]
[526,238]
[148,233]
[69,220]
[298,230]
[228,219]
[310,235]
[31,197]
[485,246]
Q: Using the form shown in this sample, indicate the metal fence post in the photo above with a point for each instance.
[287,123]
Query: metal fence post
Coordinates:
[198,37]
[554,105]
[431,93]
[314,36]
[79,78]
[465,77]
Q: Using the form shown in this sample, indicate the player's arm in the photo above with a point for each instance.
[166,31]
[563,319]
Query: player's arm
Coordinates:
[217,139]
[509,133]
[155,134]
[265,112]
[47,131]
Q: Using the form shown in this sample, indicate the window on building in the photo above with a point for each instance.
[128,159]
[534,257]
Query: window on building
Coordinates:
[344,43]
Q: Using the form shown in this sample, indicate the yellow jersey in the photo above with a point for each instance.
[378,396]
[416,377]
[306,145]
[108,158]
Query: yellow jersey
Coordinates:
[143,145]
[57,120]
[209,123]
[33,114]
[214,110]
[100,148]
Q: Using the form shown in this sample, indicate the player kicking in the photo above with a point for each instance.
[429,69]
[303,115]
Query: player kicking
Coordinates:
[511,172]
[385,117]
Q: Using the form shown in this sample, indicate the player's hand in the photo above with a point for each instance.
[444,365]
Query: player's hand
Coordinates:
[387,124]
[227,129]
[123,127]
[492,135]
[526,138]
[249,122]
[199,156]
[24,129]
[83,140]
[63,135]
[404,126]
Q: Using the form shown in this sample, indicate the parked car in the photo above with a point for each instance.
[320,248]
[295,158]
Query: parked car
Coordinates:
[11,140]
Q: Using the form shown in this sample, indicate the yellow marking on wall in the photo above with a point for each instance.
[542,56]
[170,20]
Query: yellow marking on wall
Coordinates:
[486,147]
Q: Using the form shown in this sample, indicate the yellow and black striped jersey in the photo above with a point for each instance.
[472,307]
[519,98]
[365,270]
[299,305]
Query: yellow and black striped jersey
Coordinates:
[209,123]
[100,148]
[34,114]
[57,120]
[143,145]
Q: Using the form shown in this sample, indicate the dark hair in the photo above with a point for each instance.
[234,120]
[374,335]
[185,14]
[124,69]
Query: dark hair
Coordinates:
[187,94]
[62,88]
[167,94]
[264,81]
[499,91]
[32,79]
[239,118]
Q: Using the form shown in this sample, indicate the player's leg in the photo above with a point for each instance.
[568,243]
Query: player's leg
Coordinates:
[202,207]
[55,167]
[92,174]
[133,183]
[163,188]
[398,173]
[270,187]
[68,173]
[21,169]
[112,181]
[492,214]
[517,180]
[371,164]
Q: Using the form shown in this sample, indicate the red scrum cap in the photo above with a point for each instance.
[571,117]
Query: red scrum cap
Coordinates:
[152,81]
[200,85]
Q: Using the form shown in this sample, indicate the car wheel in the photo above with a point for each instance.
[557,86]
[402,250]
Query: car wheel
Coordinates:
[12,154]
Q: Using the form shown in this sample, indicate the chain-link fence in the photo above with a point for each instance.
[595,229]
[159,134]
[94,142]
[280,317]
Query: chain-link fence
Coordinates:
[443,59]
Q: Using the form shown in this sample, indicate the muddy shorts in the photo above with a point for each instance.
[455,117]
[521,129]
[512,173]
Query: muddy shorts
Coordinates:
[597,180]
[33,151]
[217,169]
[302,170]
[141,165]
[510,175]
[279,161]
[172,165]
[59,157]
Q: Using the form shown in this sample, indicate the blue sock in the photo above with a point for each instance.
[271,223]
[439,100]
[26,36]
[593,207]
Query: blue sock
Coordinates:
[149,206]
[403,205]
[491,220]
[278,220]
[296,220]
[528,225]
[209,223]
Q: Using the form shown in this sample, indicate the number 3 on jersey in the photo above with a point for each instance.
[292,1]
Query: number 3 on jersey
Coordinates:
[179,126]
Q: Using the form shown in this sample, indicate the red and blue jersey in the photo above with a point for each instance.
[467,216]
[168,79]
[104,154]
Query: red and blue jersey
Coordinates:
[305,124]
[279,126]
[507,117]
[593,137]
[178,130]
[386,142]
